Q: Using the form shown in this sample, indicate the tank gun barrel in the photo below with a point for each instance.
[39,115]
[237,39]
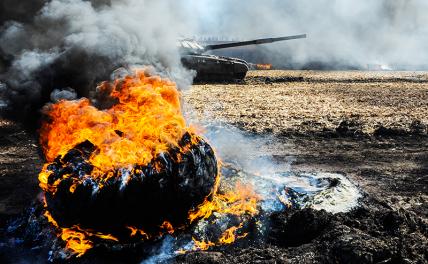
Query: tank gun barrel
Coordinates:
[251,42]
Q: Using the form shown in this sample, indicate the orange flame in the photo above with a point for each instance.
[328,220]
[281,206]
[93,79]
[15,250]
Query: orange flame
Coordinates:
[263,66]
[241,200]
[145,122]
[50,219]
[135,231]
[229,236]
[76,241]
[167,227]
[201,245]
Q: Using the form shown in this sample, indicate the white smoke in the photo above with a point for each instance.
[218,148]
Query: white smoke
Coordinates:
[30,61]
[249,159]
[341,32]
[52,44]
[63,94]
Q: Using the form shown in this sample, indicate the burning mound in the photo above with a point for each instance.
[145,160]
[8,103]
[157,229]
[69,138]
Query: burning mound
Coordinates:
[132,170]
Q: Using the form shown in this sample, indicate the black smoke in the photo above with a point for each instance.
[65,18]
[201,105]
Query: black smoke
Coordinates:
[71,45]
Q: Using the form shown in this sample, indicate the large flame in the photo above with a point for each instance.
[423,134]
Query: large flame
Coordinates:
[144,121]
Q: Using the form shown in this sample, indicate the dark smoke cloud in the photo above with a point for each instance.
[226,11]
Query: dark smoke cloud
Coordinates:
[341,32]
[17,10]
[74,44]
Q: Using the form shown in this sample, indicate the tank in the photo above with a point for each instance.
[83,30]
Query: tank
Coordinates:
[219,68]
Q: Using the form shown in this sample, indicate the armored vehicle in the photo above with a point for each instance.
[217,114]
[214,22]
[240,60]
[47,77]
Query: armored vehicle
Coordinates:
[219,68]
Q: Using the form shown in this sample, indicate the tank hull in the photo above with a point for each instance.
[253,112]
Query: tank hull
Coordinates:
[215,68]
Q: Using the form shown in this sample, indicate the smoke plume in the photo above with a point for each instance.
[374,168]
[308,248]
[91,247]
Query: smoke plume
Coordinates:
[341,33]
[73,44]
[66,45]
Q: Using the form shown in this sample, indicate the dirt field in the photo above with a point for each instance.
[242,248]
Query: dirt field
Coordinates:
[296,102]
[369,126]
[20,163]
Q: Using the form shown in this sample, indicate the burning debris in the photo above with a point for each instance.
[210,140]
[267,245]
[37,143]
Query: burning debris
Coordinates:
[152,197]
[133,171]
[260,66]
[125,174]
[264,66]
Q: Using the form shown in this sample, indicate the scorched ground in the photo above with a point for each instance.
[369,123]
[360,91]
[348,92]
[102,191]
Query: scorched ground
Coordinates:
[389,163]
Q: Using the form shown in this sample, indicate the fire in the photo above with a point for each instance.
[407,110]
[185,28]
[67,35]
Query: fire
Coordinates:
[201,245]
[135,231]
[263,66]
[145,121]
[229,236]
[50,219]
[167,227]
[76,241]
[241,200]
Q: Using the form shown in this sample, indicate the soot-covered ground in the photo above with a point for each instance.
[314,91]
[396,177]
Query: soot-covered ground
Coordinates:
[379,142]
